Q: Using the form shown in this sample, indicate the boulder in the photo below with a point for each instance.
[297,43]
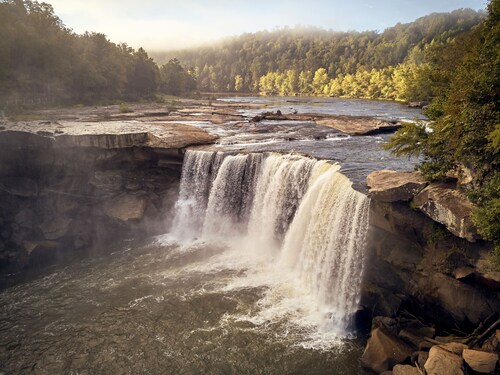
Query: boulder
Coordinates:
[482,362]
[56,228]
[392,186]
[126,207]
[450,207]
[383,351]
[443,362]
[405,370]
[357,125]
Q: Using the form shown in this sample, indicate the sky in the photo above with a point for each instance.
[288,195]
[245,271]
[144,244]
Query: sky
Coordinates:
[165,25]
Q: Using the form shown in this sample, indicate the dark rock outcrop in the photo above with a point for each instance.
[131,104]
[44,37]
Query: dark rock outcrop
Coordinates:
[71,186]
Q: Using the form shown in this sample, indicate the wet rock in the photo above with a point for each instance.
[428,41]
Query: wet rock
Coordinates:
[56,228]
[482,362]
[450,207]
[357,125]
[405,370]
[383,351]
[20,186]
[126,207]
[443,362]
[392,186]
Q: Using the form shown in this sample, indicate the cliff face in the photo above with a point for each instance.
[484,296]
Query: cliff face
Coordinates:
[417,262]
[66,187]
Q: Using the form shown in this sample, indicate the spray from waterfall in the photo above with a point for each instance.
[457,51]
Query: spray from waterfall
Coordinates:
[301,210]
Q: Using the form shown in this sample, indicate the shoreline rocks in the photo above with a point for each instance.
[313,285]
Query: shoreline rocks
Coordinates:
[450,207]
[415,267]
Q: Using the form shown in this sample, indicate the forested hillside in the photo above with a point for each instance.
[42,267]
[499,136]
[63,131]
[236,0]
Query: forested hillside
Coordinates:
[464,138]
[318,62]
[42,62]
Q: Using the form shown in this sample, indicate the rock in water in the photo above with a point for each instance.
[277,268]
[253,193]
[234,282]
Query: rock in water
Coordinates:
[383,351]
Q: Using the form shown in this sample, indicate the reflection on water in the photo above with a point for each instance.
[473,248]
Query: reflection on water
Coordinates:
[166,309]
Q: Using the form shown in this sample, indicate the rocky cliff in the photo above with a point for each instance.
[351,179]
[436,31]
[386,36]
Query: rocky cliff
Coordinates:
[427,268]
[69,186]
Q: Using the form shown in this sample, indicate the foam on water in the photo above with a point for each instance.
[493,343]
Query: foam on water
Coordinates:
[290,226]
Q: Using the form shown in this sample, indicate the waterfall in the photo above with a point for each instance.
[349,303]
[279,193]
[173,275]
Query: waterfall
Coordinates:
[302,209]
[282,183]
[231,195]
[325,242]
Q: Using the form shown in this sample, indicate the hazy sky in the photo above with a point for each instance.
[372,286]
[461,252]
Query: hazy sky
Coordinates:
[173,24]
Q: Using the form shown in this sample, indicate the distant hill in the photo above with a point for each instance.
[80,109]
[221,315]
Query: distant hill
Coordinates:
[239,63]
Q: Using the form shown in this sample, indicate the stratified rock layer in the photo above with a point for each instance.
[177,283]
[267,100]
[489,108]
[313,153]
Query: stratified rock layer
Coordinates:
[450,207]
[392,186]
[67,185]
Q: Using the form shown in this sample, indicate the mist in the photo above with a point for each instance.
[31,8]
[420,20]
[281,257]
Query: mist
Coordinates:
[168,25]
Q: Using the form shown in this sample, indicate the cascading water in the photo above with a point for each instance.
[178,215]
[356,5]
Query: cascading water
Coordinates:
[325,243]
[302,210]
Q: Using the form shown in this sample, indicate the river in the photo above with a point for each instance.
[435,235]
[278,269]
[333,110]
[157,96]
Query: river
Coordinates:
[258,274]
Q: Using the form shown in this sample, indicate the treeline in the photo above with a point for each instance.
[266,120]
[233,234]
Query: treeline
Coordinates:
[401,82]
[318,62]
[44,62]
[464,138]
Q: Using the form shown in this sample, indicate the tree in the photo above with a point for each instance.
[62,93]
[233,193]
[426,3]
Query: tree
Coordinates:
[175,79]
[238,82]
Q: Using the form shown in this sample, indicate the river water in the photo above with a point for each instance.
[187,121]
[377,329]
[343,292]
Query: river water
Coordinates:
[258,275]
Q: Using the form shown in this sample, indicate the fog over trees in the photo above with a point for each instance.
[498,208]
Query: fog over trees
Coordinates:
[312,61]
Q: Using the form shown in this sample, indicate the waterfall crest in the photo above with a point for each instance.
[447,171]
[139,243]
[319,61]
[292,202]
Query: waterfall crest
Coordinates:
[303,209]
